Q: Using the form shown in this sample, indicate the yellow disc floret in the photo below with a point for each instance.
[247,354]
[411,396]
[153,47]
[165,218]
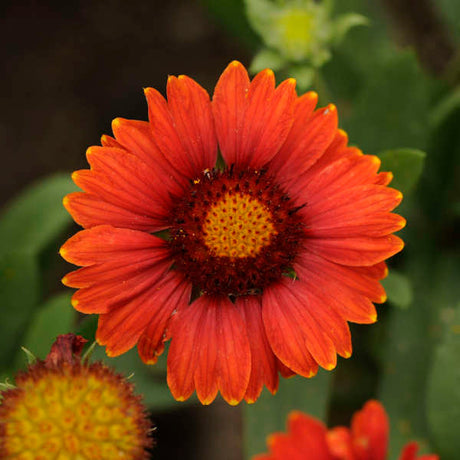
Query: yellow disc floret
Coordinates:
[237,226]
[76,411]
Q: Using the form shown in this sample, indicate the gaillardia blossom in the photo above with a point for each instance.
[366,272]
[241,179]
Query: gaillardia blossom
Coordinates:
[67,408]
[366,439]
[251,262]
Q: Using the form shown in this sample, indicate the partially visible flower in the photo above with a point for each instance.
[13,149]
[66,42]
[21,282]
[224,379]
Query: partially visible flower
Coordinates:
[67,408]
[298,34]
[366,439]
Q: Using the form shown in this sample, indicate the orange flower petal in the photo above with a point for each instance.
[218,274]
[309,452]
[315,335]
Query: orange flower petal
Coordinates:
[90,211]
[298,307]
[329,320]
[283,164]
[370,431]
[266,134]
[124,326]
[104,296]
[338,176]
[410,450]
[356,279]
[229,106]
[309,435]
[340,443]
[374,225]
[173,297]
[165,136]
[358,251]
[307,141]
[357,201]
[108,244]
[168,122]
[123,180]
[209,351]
[109,141]
[252,119]
[264,369]
[190,108]
[291,333]
[336,150]
[282,447]
[383,178]
[137,138]
[113,271]
[284,370]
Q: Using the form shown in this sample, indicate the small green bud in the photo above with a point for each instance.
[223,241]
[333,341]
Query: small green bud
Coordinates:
[297,34]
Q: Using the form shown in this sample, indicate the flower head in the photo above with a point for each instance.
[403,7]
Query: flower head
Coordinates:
[251,268]
[298,34]
[366,439]
[64,407]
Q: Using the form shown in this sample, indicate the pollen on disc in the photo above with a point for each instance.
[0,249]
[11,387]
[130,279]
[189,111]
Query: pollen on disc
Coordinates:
[237,226]
[76,412]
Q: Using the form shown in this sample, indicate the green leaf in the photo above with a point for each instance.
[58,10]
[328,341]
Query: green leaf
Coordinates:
[443,399]
[406,166]
[398,289]
[36,216]
[269,413]
[393,105]
[19,294]
[55,317]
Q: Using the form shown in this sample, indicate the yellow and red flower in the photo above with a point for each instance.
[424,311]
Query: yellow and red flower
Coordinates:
[366,439]
[65,407]
[252,262]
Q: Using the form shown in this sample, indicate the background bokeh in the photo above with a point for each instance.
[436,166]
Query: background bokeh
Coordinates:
[69,68]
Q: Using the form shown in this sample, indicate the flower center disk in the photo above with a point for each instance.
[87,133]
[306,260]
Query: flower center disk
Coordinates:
[235,232]
[237,226]
[74,412]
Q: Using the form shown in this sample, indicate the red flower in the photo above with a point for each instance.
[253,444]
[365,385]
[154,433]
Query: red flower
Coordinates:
[366,439]
[260,262]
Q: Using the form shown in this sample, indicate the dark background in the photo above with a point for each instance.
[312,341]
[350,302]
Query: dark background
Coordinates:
[69,68]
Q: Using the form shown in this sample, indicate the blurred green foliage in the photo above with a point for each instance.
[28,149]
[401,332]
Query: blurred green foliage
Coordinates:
[19,295]
[28,224]
[406,166]
[443,386]
[398,289]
